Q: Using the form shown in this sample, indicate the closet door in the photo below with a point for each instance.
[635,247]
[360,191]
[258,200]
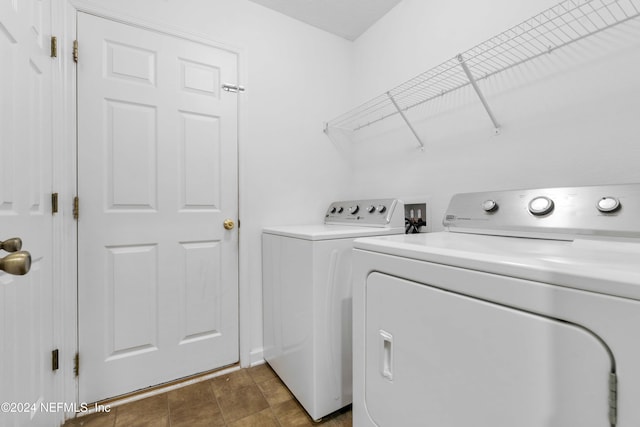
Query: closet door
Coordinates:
[157,178]
[26,302]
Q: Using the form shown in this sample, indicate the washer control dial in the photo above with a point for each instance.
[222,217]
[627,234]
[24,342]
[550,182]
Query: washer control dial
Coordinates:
[381,208]
[340,209]
[371,209]
[333,210]
[489,205]
[541,205]
[354,209]
[608,204]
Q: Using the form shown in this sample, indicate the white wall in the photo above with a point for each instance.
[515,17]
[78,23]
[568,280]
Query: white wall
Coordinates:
[296,77]
[569,118]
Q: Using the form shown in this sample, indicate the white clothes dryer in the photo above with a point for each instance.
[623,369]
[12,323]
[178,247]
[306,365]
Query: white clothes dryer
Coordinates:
[523,313]
[307,299]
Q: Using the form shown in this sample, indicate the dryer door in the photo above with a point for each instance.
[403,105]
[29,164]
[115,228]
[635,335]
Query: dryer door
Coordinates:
[436,358]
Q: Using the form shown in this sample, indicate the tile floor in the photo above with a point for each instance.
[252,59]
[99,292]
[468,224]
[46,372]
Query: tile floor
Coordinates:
[253,397]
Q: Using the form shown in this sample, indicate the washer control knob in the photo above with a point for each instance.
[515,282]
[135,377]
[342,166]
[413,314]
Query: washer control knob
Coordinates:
[354,209]
[489,205]
[333,210]
[340,209]
[371,209]
[541,205]
[381,208]
[608,204]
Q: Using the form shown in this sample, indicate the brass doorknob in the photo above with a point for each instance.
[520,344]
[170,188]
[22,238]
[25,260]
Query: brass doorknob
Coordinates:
[11,245]
[17,263]
[228,224]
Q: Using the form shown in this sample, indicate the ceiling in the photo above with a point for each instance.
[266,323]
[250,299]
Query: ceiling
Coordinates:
[344,18]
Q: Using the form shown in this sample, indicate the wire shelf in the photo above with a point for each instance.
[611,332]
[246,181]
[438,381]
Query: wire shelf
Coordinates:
[563,24]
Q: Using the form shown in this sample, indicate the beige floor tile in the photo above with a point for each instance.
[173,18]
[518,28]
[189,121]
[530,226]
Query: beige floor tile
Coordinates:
[241,402]
[104,419]
[196,414]
[291,414]
[263,418]
[155,404]
[262,373]
[153,411]
[275,391]
[195,393]
[245,398]
[233,381]
[143,421]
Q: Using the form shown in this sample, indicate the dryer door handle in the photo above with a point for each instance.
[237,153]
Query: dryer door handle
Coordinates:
[386,355]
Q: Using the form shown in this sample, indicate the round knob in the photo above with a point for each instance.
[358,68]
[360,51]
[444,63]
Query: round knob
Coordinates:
[18,263]
[381,208]
[333,210]
[371,209]
[489,206]
[340,209]
[354,209]
[608,204]
[541,206]
[11,245]
[228,224]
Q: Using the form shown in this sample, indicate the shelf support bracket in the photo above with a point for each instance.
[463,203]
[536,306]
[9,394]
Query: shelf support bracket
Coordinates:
[474,84]
[395,104]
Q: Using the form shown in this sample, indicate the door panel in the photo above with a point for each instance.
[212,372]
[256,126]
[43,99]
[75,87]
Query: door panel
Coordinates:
[26,302]
[131,295]
[157,176]
[438,358]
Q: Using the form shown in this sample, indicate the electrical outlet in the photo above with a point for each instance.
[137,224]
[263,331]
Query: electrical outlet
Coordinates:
[415,217]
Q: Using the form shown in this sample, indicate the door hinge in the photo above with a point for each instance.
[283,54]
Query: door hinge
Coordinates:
[75,51]
[54,360]
[76,365]
[76,208]
[54,203]
[54,47]
[613,398]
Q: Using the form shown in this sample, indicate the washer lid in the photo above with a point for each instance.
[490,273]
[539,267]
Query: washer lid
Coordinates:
[604,266]
[326,232]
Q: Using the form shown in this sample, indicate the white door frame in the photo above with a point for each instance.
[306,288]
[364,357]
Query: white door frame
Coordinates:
[64,172]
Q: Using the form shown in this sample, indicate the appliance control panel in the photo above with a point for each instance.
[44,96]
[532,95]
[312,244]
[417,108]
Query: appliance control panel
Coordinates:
[610,210]
[367,212]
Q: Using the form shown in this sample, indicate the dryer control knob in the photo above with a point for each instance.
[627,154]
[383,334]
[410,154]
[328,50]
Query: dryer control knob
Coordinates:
[354,209]
[371,209]
[541,206]
[489,205]
[381,208]
[608,204]
[340,209]
[332,210]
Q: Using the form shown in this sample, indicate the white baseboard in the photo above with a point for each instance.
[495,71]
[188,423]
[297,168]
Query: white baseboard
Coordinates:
[256,357]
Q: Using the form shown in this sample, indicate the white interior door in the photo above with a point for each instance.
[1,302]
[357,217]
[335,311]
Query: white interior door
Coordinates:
[157,177]
[26,309]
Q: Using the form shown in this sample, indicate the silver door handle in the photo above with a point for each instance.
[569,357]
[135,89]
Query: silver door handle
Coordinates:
[17,263]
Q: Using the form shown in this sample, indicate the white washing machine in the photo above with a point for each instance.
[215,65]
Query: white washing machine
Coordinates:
[525,312]
[306,286]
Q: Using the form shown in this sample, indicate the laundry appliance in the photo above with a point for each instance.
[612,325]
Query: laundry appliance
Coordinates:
[307,299]
[524,312]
